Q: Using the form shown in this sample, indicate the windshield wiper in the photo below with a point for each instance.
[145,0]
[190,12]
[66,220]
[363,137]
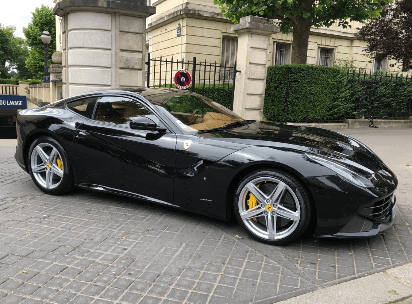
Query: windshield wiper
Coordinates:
[232,125]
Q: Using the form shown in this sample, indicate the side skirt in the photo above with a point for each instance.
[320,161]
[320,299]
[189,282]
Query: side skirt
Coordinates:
[105,189]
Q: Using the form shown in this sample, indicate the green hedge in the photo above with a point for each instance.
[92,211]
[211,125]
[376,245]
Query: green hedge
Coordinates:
[16,81]
[9,81]
[318,93]
[220,93]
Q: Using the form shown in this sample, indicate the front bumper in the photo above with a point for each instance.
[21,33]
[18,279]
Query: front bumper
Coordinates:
[362,226]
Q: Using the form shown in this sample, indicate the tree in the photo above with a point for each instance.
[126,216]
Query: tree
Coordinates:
[14,51]
[301,15]
[6,49]
[21,52]
[390,35]
[43,20]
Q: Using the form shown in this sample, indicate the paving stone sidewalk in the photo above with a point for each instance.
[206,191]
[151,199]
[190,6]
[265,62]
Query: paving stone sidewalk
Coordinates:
[87,247]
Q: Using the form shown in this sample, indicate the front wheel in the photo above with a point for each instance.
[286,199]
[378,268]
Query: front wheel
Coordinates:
[49,166]
[273,206]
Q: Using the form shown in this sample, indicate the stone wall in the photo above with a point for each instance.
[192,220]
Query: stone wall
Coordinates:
[9,89]
[35,94]
[38,93]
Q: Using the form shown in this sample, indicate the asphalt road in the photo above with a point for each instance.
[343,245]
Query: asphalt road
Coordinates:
[87,247]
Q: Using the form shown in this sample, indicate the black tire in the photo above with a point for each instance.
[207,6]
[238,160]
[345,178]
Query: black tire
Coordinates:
[289,199]
[56,184]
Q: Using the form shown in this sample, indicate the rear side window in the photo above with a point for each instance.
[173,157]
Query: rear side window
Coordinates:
[119,110]
[84,107]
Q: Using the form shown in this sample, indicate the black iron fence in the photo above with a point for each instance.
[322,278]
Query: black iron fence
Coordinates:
[380,95]
[212,80]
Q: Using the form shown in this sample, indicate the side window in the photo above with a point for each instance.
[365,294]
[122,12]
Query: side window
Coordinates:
[119,111]
[84,106]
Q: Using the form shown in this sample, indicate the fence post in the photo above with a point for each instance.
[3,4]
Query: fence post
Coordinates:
[148,70]
[160,72]
[287,96]
[254,35]
[194,74]
[234,85]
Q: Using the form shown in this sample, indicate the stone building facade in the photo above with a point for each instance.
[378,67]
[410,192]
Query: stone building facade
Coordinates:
[188,28]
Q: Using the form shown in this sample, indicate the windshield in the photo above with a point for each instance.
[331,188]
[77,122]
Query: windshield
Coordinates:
[191,111]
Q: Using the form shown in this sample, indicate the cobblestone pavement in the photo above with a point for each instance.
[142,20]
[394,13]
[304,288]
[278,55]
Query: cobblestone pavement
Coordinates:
[87,247]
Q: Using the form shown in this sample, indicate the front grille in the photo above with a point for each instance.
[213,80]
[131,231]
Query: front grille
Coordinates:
[380,209]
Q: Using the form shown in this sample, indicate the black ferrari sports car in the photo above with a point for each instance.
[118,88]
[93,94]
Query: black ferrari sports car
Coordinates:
[181,149]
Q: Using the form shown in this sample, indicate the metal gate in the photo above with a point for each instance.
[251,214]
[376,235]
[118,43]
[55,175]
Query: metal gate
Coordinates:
[212,80]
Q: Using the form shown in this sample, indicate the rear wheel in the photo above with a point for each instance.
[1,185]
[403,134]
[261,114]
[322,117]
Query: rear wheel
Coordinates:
[273,206]
[49,166]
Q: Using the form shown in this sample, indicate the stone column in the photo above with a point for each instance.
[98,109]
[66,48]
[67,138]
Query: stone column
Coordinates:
[103,44]
[55,71]
[252,61]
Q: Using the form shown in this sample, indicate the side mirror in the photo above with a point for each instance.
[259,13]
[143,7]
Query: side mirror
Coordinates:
[42,104]
[144,123]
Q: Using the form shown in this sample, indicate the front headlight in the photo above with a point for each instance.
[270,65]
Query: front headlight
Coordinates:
[342,171]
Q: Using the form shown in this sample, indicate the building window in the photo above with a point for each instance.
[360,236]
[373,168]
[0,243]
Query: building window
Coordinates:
[229,51]
[282,54]
[325,57]
[379,64]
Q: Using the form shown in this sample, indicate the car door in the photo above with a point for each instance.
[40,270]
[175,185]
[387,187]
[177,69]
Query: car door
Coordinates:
[115,156]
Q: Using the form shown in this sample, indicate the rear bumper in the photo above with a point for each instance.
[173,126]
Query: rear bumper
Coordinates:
[22,165]
[361,227]
[19,156]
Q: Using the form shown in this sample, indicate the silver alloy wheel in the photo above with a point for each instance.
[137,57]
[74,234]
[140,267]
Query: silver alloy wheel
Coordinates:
[263,218]
[44,164]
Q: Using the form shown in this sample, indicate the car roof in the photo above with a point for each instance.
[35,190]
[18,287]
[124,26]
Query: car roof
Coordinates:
[132,92]
[104,92]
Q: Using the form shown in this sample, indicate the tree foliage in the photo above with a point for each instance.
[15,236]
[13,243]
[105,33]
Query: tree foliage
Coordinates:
[14,51]
[390,35]
[21,53]
[43,20]
[6,50]
[301,15]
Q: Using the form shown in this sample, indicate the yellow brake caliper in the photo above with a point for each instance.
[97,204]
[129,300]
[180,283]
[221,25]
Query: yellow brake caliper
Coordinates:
[60,164]
[252,202]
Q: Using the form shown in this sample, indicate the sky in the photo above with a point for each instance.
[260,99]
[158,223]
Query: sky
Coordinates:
[18,13]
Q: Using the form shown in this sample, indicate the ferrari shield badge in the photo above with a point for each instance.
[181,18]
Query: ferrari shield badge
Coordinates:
[187,144]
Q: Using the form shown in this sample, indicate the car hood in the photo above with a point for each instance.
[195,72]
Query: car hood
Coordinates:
[311,140]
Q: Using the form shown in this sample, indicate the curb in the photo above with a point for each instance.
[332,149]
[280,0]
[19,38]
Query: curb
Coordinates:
[391,286]
[358,124]
[8,142]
